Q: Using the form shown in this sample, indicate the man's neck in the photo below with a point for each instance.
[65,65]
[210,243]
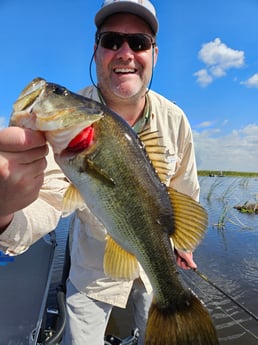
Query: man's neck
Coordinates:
[129,110]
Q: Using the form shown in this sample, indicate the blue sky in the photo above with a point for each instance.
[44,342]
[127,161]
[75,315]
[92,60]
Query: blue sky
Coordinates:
[208,65]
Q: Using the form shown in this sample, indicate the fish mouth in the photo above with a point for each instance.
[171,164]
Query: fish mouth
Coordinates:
[51,109]
[29,96]
[71,141]
[23,115]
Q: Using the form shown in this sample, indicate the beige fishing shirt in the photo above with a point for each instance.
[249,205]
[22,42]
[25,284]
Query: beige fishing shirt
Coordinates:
[88,234]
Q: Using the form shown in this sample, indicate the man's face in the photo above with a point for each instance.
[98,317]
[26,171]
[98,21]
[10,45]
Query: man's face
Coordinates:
[124,73]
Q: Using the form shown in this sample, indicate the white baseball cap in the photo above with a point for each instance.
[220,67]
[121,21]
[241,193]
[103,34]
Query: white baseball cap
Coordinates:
[140,8]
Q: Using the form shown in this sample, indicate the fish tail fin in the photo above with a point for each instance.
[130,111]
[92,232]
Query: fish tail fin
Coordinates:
[188,323]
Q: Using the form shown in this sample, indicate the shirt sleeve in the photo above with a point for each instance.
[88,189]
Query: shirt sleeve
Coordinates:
[185,179]
[175,131]
[40,217]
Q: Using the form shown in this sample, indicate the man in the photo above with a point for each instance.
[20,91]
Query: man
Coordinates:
[125,53]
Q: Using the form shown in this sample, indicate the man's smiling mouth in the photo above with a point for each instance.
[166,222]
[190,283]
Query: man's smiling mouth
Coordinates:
[125,70]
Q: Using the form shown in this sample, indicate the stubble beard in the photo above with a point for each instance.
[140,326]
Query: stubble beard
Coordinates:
[123,91]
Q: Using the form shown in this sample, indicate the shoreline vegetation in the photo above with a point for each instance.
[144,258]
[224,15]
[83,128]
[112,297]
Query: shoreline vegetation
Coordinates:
[249,206]
[219,173]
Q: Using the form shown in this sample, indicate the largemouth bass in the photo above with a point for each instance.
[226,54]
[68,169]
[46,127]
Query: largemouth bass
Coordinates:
[120,176]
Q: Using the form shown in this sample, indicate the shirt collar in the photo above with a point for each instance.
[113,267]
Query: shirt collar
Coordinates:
[143,122]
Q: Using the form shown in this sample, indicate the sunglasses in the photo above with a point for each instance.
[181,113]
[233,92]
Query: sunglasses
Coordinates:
[115,40]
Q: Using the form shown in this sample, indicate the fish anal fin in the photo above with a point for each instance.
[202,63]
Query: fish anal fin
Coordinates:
[190,221]
[118,263]
[72,200]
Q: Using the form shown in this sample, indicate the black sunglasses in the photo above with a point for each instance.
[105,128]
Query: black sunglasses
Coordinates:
[115,40]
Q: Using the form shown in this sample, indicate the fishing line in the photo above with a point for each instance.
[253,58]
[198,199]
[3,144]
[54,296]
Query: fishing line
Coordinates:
[219,307]
[152,70]
[90,66]
[204,277]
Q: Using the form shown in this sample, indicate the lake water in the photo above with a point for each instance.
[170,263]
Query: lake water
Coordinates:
[227,256]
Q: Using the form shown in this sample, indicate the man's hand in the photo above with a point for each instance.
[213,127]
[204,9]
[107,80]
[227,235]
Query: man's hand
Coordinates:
[22,164]
[185,259]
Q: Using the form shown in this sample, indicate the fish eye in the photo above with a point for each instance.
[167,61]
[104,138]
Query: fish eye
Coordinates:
[59,90]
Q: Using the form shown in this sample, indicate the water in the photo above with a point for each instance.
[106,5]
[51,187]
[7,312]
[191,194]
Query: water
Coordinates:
[227,256]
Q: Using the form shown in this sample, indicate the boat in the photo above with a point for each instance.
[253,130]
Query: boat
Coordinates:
[24,288]
[25,317]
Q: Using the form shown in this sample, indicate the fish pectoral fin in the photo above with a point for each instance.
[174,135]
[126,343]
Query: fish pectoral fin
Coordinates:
[190,219]
[98,173]
[72,200]
[118,263]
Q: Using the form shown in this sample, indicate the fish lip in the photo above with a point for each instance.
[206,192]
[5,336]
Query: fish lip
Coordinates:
[24,103]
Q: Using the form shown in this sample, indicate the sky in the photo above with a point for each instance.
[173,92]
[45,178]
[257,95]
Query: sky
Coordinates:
[207,64]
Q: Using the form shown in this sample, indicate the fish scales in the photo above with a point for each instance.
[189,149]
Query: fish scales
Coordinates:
[113,174]
[147,207]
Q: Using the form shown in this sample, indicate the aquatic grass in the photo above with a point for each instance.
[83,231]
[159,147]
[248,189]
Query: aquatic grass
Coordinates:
[228,216]
[218,182]
[222,219]
[228,190]
[213,186]
[220,195]
[240,224]
[244,182]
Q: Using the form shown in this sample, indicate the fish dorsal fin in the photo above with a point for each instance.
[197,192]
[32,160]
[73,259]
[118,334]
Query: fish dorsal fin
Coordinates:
[118,263]
[156,152]
[72,200]
[190,220]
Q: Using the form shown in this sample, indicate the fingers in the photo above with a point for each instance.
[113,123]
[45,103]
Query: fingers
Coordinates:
[23,156]
[15,139]
[185,260]
[22,164]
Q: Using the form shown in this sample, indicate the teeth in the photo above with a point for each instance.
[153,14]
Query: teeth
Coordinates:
[124,70]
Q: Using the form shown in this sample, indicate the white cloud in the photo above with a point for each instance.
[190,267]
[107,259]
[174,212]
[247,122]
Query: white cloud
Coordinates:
[217,54]
[252,81]
[203,77]
[237,151]
[205,124]
[218,58]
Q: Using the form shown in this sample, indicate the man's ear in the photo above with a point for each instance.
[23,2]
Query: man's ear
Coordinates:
[155,55]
